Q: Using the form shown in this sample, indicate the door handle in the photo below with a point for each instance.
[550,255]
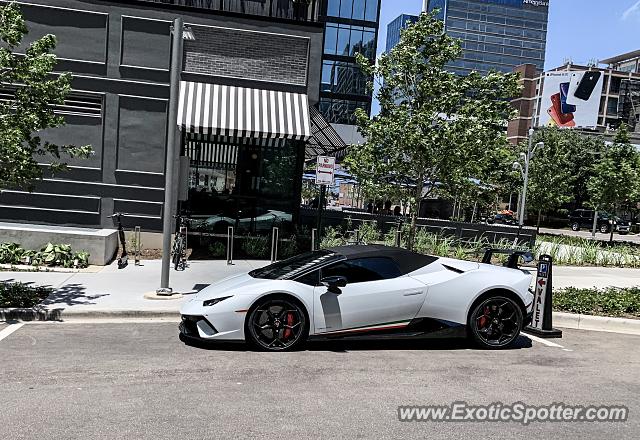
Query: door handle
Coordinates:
[413,293]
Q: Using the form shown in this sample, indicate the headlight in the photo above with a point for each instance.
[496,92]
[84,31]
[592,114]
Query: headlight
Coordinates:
[213,302]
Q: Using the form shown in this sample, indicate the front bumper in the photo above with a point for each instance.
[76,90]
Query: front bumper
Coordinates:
[196,327]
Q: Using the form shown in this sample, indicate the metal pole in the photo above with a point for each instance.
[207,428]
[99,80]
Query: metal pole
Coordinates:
[323,190]
[137,234]
[174,91]
[595,224]
[527,159]
[230,245]
[274,245]
[314,233]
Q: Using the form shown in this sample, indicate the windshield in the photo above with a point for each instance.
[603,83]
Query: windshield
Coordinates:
[294,266]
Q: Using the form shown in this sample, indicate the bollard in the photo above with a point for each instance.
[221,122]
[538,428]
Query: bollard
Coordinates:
[357,236]
[314,232]
[274,245]
[542,320]
[137,249]
[398,238]
[230,245]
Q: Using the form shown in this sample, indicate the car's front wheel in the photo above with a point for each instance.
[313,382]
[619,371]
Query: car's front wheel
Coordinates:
[495,322]
[277,324]
[575,227]
[604,228]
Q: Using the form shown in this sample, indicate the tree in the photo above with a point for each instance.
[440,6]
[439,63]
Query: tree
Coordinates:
[550,172]
[35,90]
[434,126]
[615,176]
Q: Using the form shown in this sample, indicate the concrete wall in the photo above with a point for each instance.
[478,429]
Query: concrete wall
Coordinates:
[119,56]
[101,244]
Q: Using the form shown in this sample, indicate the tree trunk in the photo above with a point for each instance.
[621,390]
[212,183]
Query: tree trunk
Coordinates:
[414,213]
[538,224]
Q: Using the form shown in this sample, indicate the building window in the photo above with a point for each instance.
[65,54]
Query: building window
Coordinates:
[353,9]
[341,111]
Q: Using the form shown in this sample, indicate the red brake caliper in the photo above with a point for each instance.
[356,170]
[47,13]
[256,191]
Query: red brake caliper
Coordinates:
[483,318]
[289,320]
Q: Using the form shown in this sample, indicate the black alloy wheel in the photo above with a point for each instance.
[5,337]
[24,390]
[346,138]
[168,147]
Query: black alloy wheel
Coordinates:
[495,322]
[277,324]
[604,228]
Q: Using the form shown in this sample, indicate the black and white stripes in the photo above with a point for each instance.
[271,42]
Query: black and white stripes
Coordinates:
[215,109]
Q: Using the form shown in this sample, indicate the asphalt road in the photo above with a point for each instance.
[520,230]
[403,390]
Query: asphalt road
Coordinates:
[138,381]
[583,233]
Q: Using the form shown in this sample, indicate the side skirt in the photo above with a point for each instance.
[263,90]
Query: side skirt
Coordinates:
[417,328]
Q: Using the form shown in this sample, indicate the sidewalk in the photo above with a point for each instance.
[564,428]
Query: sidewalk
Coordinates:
[111,291]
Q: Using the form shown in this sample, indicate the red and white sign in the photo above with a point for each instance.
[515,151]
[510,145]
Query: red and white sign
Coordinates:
[325,170]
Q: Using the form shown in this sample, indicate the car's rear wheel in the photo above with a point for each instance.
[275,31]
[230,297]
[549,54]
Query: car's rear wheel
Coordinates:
[575,227]
[277,324]
[604,228]
[495,322]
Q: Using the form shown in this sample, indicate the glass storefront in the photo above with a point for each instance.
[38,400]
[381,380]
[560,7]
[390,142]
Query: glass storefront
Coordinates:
[249,183]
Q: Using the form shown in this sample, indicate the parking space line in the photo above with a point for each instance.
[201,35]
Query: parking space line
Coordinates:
[542,340]
[10,329]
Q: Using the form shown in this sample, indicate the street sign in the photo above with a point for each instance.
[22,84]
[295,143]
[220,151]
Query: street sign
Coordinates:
[540,295]
[542,319]
[325,170]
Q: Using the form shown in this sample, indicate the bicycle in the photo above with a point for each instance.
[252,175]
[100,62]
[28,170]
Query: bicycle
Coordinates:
[179,250]
[123,259]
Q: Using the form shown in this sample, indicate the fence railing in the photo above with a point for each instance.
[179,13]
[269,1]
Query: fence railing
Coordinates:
[385,223]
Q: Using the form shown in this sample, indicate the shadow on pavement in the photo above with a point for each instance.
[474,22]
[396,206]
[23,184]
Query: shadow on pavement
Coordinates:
[342,346]
[71,295]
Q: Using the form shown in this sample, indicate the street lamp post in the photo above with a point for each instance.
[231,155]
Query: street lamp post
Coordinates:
[526,158]
[169,196]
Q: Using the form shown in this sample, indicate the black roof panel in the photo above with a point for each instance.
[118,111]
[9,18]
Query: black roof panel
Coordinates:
[407,261]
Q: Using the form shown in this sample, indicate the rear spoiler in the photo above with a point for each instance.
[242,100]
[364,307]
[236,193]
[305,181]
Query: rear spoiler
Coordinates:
[514,256]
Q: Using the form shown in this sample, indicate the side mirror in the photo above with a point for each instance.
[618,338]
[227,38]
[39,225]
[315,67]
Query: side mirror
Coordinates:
[334,283]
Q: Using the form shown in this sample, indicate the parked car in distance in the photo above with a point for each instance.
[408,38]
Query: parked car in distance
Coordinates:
[583,218]
[261,222]
[503,218]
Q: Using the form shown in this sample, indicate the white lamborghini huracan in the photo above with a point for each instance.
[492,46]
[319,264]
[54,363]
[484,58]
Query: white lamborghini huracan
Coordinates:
[363,291]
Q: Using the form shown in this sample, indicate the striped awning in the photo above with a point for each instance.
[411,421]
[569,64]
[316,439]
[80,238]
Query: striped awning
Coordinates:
[220,110]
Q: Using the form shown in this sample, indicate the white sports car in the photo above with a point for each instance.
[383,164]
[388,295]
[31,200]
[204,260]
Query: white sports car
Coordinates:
[363,291]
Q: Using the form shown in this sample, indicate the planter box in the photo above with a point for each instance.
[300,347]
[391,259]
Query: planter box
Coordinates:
[101,244]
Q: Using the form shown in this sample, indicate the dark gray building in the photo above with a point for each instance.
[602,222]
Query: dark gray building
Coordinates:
[251,76]
[351,27]
[496,34]
[396,26]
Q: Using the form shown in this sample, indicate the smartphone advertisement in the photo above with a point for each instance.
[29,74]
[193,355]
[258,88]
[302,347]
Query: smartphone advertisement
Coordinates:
[571,99]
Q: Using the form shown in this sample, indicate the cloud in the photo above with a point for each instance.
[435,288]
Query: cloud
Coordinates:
[632,11]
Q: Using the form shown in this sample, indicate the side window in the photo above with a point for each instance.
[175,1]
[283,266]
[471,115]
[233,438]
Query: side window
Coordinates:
[362,270]
[310,279]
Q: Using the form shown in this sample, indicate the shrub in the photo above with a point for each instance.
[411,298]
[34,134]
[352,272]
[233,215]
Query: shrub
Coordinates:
[49,255]
[21,295]
[612,301]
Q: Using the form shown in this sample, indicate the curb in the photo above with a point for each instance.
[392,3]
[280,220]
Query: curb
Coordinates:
[597,323]
[35,314]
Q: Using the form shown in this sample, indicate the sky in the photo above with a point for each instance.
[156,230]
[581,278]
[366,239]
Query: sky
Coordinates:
[580,30]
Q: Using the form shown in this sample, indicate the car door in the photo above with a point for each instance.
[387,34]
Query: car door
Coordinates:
[376,297]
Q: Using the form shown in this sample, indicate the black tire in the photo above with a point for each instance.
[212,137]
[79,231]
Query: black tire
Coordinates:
[575,227]
[604,228]
[495,322]
[277,323]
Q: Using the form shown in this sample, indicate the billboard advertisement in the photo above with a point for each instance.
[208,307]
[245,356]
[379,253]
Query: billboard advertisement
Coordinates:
[571,99]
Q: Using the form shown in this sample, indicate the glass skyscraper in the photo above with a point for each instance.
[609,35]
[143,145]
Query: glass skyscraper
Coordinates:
[496,34]
[394,28]
[351,26]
